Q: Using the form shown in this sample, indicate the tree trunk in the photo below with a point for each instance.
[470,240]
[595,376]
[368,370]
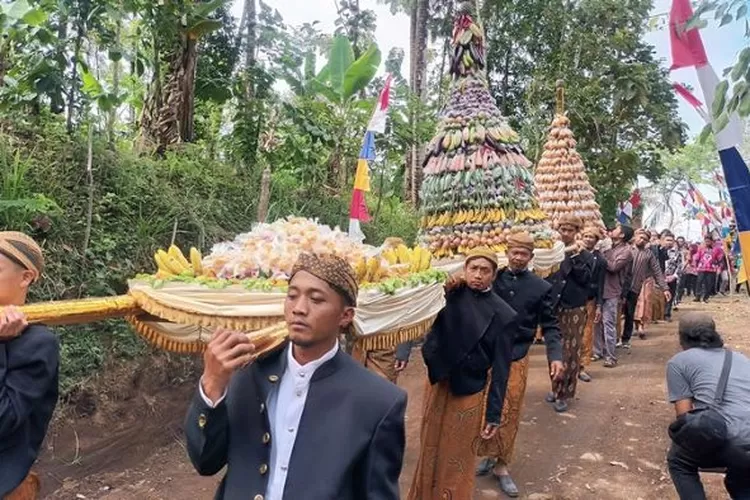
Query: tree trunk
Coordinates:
[355,35]
[251,21]
[420,80]
[506,83]
[187,108]
[73,90]
[112,116]
[90,189]
[409,160]
[168,111]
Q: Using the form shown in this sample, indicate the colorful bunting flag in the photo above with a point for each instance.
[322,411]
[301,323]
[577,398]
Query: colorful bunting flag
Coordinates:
[358,212]
[688,51]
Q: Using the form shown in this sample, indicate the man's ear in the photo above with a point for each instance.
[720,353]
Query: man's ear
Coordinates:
[27,278]
[347,317]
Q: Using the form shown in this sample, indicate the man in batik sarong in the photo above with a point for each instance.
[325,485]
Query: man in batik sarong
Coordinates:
[468,355]
[591,236]
[382,362]
[570,290]
[529,295]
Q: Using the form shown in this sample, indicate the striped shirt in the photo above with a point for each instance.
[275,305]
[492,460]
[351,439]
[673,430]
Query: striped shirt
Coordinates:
[646,265]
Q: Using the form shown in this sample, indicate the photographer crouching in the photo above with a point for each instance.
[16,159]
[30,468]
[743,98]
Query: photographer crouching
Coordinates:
[710,389]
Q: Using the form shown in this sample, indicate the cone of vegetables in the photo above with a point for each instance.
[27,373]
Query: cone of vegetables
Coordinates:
[562,185]
[477,186]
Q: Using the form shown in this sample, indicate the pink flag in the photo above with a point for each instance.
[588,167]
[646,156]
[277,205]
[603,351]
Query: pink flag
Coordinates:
[687,95]
[687,46]
[358,207]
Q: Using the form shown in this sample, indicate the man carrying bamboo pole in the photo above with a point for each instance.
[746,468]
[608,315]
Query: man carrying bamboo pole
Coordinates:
[29,360]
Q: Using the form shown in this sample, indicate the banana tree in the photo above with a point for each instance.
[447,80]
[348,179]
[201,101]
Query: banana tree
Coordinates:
[338,84]
[167,116]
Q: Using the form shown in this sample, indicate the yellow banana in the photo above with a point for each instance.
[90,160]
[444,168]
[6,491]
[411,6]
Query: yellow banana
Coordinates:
[177,265]
[196,259]
[170,264]
[373,269]
[161,265]
[425,261]
[390,256]
[361,269]
[415,259]
[177,255]
[403,254]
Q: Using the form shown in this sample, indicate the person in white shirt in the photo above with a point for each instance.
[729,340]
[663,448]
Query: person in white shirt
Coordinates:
[306,421]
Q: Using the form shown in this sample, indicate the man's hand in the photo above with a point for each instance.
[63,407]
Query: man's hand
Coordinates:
[489,431]
[400,365]
[454,281]
[556,369]
[226,353]
[598,315]
[12,323]
[667,295]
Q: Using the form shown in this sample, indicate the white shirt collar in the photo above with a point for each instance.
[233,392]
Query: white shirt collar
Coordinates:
[308,369]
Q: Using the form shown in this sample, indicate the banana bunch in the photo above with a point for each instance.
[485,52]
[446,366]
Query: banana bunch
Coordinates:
[368,270]
[451,140]
[173,262]
[418,259]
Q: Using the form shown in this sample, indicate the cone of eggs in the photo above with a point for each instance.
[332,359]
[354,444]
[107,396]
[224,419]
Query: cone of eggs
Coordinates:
[562,185]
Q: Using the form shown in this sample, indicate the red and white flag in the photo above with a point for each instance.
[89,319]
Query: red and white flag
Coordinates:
[688,51]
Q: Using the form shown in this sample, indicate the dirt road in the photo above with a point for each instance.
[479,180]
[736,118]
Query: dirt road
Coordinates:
[610,445]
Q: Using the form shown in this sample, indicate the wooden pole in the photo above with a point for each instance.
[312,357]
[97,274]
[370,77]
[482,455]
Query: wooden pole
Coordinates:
[560,97]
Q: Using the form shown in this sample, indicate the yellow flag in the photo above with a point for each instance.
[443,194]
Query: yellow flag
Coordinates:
[741,275]
[362,178]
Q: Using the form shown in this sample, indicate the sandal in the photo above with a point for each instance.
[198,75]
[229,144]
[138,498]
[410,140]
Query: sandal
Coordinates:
[610,363]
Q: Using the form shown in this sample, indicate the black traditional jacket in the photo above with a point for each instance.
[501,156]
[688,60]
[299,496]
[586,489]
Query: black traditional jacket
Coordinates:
[530,296]
[570,283]
[472,334]
[29,367]
[349,445]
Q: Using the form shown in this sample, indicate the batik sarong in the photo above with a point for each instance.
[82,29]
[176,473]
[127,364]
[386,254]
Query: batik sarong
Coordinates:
[572,323]
[27,490]
[380,362]
[502,445]
[450,433]
[587,344]
[644,308]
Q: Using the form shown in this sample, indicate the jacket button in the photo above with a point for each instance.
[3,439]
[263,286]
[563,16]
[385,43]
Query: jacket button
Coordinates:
[263,469]
[273,378]
[201,421]
[262,407]
[258,497]
[266,438]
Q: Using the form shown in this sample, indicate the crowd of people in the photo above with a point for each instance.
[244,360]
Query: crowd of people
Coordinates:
[310,421]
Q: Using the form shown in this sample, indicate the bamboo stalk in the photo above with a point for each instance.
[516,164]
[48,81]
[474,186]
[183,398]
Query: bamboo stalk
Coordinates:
[73,312]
